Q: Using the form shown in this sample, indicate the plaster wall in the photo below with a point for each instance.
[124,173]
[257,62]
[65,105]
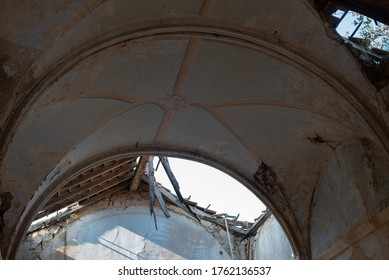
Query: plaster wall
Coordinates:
[373,246]
[352,181]
[123,231]
[271,243]
[245,86]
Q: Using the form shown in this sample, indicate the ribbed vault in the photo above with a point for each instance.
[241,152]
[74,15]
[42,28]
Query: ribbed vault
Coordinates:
[255,89]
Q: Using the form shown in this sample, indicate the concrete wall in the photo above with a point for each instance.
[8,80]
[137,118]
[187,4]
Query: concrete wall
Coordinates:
[271,243]
[125,230]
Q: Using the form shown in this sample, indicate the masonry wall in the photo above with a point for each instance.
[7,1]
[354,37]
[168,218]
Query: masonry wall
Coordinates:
[121,228]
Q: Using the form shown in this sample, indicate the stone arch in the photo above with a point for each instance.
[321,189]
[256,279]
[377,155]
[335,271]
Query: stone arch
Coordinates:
[264,103]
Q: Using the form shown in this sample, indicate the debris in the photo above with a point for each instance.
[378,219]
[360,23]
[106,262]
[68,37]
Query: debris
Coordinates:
[261,220]
[150,174]
[161,201]
[140,169]
[172,178]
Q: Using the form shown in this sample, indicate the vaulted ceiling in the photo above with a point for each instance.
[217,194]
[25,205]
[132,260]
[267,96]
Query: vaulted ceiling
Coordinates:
[255,88]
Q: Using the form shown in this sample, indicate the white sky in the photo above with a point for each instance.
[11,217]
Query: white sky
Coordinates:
[207,185]
[346,27]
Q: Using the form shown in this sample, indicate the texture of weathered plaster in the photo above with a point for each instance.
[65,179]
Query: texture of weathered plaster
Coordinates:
[235,84]
[122,228]
[271,243]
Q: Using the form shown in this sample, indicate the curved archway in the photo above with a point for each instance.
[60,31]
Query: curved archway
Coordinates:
[116,184]
[270,106]
[58,180]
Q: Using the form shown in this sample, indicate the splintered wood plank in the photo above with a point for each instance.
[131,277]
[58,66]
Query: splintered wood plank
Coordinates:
[161,202]
[140,170]
[173,180]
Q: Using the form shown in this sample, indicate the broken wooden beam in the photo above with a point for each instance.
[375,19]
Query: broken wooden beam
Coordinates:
[161,202]
[140,170]
[173,180]
[150,174]
[261,220]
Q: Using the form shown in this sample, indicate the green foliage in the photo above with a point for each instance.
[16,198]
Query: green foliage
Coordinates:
[375,33]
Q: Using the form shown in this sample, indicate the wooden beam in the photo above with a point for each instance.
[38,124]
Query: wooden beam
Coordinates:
[97,172]
[140,170]
[166,194]
[262,219]
[173,180]
[161,202]
[221,222]
[89,190]
[150,174]
[81,204]
[103,194]
[78,188]
[377,11]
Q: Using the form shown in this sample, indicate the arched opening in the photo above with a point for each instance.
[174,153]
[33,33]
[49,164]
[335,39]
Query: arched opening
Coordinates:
[118,208]
[276,101]
[211,188]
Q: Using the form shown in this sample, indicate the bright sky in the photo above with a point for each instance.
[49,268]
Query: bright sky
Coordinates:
[346,27]
[207,185]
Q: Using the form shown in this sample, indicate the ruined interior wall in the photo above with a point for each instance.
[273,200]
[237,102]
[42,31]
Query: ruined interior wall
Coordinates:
[271,243]
[353,187]
[374,246]
[122,228]
[384,94]
[49,54]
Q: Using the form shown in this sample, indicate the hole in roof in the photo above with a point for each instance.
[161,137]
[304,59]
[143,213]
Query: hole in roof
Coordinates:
[116,196]
[366,38]
[205,188]
[367,32]
[211,188]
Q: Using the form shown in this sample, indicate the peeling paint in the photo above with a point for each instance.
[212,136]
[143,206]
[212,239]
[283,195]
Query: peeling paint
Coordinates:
[9,70]
[266,177]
